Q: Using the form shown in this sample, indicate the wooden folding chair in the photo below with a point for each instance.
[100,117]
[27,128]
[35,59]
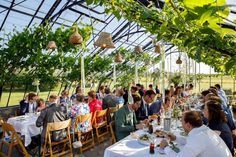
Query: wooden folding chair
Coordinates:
[14,140]
[110,113]
[56,126]
[101,127]
[86,138]
[112,128]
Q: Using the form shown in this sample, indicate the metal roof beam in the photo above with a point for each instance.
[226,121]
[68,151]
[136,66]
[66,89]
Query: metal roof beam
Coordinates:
[10,8]
[50,12]
[35,13]
[24,13]
[77,11]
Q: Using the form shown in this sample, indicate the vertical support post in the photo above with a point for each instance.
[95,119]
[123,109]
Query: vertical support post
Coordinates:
[199,72]
[210,77]
[186,71]
[82,74]
[146,78]
[114,75]
[136,72]
[195,76]
[8,100]
[221,80]
[163,71]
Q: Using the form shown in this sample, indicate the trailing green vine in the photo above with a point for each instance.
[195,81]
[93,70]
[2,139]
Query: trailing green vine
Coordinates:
[192,25]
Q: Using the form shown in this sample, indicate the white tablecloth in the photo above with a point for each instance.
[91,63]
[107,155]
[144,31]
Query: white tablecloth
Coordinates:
[26,126]
[130,147]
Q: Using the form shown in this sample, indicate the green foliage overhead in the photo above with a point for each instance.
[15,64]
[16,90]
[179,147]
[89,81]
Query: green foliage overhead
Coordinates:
[192,25]
[26,54]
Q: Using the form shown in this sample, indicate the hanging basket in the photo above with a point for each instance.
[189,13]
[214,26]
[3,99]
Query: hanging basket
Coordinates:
[138,49]
[178,61]
[76,38]
[158,48]
[104,41]
[51,45]
[118,58]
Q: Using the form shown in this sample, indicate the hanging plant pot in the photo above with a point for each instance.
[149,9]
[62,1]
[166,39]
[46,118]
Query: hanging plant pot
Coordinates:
[178,61]
[138,49]
[158,48]
[76,38]
[104,41]
[118,58]
[51,45]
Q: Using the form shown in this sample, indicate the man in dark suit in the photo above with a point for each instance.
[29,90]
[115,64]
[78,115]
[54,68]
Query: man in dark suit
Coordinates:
[53,113]
[144,111]
[140,90]
[29,104]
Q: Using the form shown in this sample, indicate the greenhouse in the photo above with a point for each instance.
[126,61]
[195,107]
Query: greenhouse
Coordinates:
[118,78]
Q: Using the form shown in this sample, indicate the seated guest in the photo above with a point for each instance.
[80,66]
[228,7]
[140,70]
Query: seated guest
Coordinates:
[28,105]
[217,121]
[119,96]
[155,107]
[167,105]
[94,104]
[172,90]
[64,98]
[40,105]
[190,89]
[101,93]
[157,90]
[200,142]
[77,91]
[80,108]
[140,90]
[125,119]
[109,100]
[229,118]
[143,111]
[151,87]
[53,113]
[178,93]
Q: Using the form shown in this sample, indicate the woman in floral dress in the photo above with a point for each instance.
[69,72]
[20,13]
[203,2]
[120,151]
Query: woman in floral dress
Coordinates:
[80,108]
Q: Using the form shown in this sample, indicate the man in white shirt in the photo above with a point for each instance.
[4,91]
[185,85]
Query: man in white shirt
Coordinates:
[200,142]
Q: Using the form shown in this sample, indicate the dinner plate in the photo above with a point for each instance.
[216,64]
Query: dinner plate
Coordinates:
[147,143]
[151,139]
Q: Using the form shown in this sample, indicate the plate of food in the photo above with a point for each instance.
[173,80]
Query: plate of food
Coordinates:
[160,134]
[146,139]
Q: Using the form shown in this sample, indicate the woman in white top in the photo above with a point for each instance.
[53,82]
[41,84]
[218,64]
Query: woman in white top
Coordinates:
[200,142]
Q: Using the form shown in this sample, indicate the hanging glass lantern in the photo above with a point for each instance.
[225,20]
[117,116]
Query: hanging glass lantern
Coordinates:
[104,41]
[158,48]
[76,38]
[138,49]
[118,58]
[51,45]
[179,61]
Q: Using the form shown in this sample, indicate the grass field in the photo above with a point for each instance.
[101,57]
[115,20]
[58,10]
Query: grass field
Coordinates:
[227,84]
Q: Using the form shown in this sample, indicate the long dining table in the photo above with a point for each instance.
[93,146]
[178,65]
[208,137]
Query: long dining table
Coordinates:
[26,126]
[132,147]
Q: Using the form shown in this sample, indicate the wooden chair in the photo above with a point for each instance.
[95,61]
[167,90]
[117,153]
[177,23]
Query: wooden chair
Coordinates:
[110,113]
[113,135]
[86,138]
[14,141]
[101,127]
[56,126]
